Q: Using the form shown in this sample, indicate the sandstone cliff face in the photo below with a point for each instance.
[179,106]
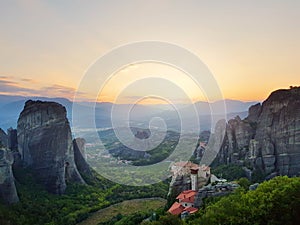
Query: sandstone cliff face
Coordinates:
[45,144]
[12,139]
[3,138]
[269,138]
[80,157]
[8,193]
[179,184]
[236,142]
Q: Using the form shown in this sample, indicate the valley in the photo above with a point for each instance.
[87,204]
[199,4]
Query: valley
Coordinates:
[50,177]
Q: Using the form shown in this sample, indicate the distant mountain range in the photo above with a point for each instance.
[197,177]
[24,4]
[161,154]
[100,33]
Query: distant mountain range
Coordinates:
[140,115]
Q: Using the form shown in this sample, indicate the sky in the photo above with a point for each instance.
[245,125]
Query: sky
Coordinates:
[250,47]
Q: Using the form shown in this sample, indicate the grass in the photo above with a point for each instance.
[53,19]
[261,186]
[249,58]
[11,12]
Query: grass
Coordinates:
[125,208]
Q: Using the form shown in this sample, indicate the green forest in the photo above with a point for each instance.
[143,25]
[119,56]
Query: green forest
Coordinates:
[38,207]
[274,202]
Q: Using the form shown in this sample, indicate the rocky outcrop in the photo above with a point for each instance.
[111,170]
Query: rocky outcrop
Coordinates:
[217,190]
[12,139]
[254,113]
[3,139]
[8,193]
[80,157]
[45,145]
[179,184]
[201,145]
[142,134]
[269,138]
[13,147]
[236,142]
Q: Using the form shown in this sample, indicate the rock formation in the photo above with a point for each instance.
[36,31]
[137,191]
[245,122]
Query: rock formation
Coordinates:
[3,139]
[142,134]
[267,140]
[12,139]
[80,157]
[8,193]
[45,144]
[220,189]
[179,184]
[13,147]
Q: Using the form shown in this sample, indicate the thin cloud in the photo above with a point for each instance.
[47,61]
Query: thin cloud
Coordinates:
[7,82]
[12,87]
[60,90]
[4,77]
[28,80]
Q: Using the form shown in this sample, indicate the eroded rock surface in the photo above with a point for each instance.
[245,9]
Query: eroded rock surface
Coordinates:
[3,139]
[80,157]
[269,138]
[45,144]
[8,193]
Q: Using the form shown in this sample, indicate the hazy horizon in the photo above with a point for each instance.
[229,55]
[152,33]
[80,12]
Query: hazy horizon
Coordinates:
[87,100]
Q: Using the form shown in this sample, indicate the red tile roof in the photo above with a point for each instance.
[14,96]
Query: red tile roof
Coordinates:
[204,168]
[187,196]
[188,200]
[176,209]
[195,167]
[191,209]
[185,164]
[184,197]
[202,144]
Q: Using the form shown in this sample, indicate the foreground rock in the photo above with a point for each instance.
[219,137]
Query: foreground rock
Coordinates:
[268,140]
[45,145]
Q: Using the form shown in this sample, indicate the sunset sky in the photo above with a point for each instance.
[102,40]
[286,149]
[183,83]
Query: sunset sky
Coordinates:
[250,47]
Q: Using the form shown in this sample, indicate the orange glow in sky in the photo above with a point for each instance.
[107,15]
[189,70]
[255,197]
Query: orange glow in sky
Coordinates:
[251,47]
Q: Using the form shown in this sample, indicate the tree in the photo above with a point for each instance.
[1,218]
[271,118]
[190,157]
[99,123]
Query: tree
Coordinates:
[244,183]
[274,202]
